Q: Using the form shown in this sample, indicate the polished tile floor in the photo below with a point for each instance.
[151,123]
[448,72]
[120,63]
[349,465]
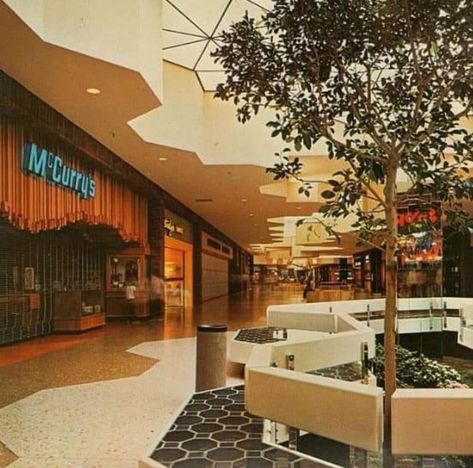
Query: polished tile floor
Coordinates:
[101,398]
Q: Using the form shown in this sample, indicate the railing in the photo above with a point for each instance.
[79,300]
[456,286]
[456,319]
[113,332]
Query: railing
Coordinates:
[331,334]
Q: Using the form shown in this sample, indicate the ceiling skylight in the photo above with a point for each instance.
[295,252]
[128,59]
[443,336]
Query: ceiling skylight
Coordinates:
[191,32]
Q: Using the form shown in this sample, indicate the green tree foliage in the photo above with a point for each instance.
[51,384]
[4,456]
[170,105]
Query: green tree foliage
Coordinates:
[385,84]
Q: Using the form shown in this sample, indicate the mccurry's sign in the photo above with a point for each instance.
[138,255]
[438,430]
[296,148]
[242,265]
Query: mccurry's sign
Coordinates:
[42,163]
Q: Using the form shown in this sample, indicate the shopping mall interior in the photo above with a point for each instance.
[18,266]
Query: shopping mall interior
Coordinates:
[165,301]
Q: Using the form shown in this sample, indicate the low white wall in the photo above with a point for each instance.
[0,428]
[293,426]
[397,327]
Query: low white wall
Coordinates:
[344,411]
[301,320]
[432,421]
[467,337]
[240,351]
[333,350]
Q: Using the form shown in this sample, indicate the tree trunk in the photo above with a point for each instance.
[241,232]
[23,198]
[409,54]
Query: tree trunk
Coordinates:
[391,306]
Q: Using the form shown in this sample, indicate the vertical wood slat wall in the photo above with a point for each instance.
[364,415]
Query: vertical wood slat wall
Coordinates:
[32,204]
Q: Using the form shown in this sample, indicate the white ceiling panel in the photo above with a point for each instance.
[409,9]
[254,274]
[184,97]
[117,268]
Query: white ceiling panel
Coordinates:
[186,56]
[186,23]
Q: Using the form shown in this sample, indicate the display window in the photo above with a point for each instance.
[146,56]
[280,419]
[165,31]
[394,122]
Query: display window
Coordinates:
[174,277]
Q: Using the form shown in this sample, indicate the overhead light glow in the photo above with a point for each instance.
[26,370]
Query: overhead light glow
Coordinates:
[93,91]
[163,159]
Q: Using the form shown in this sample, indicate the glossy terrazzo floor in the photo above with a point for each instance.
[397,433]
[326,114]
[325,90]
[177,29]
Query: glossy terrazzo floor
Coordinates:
[101,398]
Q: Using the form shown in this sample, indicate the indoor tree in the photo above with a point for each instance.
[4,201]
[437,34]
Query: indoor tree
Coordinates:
[385,84]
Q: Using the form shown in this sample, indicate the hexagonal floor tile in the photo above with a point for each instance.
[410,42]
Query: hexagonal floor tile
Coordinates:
[193,463]
[215,431]
[225,454]
[233,421]
[207,428]
[225,391]
[253,428]
[199,445]
[229,436]
[214,414]
[252,444]
[203,396]
[220,402]
[188,420]
[236,408]
[178,436]
[168,455]
[195,407]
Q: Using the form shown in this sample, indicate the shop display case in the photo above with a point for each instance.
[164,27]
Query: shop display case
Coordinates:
[78,310]
[127,294]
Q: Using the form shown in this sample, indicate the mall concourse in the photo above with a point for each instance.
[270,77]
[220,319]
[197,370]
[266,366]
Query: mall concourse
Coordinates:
[165,303]
[86,239]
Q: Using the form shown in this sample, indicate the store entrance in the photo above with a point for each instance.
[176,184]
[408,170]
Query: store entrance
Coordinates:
[51,281]
[174,276]
[177,273]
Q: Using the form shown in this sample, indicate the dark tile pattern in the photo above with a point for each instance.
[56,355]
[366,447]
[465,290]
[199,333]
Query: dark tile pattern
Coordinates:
[259,335]
[350,372]
[215,431]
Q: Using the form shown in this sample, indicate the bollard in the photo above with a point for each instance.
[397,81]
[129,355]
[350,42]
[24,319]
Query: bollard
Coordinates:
[211,357]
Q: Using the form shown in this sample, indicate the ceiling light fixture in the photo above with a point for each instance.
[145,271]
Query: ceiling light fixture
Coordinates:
[244,200]
[251,215]
[93,91]
[163,159]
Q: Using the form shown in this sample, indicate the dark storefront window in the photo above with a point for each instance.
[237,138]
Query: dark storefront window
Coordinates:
[33,268]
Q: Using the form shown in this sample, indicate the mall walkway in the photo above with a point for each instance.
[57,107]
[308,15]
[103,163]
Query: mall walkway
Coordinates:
[100,399]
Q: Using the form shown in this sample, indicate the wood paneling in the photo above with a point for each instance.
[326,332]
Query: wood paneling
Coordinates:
[31,203]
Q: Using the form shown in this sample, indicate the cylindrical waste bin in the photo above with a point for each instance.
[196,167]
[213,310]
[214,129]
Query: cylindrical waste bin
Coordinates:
[211,359]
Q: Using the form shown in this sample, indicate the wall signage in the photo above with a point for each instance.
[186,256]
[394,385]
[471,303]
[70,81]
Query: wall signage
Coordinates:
[414,219]
[42,163]
[172,228]
[420,234]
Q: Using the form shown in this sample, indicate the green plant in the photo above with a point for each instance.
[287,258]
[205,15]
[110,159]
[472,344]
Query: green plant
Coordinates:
[415,370]
[384,83]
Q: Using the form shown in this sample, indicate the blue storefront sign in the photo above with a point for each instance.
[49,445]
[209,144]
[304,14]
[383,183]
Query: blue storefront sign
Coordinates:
[42,163]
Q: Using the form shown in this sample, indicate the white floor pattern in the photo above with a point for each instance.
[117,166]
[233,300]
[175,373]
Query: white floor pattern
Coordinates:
[109,424]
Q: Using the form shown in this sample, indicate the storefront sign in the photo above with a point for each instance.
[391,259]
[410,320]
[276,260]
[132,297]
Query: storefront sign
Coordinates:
[412,219]
[172,228]
[420,236]
[43,163]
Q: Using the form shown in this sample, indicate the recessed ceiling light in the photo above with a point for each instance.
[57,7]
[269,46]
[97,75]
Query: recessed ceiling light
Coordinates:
[251,215]
[244,200]
[298,208]
[93,91]
[163,159]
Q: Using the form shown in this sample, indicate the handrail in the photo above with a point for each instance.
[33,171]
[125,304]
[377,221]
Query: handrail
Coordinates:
[333,335]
